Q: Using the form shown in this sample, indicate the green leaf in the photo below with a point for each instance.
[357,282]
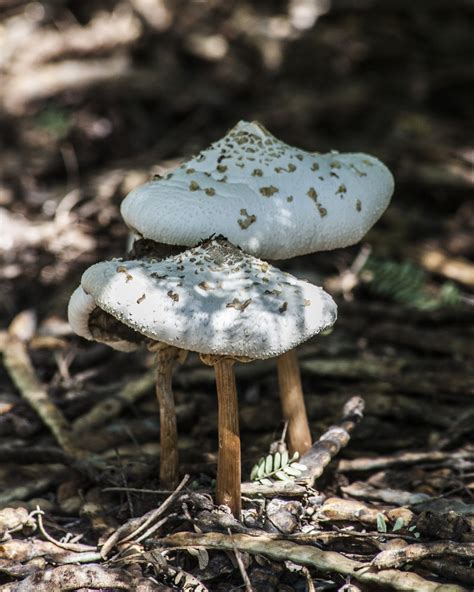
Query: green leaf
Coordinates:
[399,524]
[261,468]
[282,476]
[407,284]
[381,524]
[254,472]
[292,470]
[269,464]
[276,466]
[299,466]
[276,461]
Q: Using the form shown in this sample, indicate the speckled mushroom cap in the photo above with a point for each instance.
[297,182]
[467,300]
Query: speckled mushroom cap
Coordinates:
[81,306]
[271,199]
[212,299]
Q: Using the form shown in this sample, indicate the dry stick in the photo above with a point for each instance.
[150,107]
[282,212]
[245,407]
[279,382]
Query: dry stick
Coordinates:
[325,561]
[317,457]
[418,551]
[450,570]
[19,366]
[336,509]
[169,462]
[292,401]
[405,458]
[25,550]
[112,406]
[331,442]
[228,460]
[74,547]
[135,526]
[240,563]
[42,480]
[285,488]
[72,577]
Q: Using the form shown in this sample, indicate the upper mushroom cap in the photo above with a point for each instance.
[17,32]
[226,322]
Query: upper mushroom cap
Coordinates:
[269,198]
[213,299]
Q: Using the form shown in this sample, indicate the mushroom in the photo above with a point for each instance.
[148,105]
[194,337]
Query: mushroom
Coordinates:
[224,304]
[272,200]
[88,320]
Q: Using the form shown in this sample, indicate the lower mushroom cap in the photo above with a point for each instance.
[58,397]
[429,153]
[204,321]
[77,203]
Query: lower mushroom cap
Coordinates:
[82,308]
[213,299]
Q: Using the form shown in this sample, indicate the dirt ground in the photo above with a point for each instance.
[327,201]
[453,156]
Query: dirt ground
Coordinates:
[95,98]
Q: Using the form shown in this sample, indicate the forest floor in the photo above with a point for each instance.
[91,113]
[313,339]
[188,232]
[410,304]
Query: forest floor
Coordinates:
[95,97]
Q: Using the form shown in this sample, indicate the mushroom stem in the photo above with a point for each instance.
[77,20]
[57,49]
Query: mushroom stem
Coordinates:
[166,359]
[292,400]
[228,461]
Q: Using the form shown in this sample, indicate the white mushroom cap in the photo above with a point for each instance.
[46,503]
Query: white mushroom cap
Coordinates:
[213,299]
[80,307]
[269,198]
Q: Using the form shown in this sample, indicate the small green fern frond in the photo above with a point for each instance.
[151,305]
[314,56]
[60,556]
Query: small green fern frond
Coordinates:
[407,284]
[278,466]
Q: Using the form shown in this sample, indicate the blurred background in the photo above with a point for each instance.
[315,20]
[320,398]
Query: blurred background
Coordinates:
[96,96]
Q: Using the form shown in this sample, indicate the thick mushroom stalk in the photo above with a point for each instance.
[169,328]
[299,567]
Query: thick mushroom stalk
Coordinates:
[292,402]
[166,359]
[228,459]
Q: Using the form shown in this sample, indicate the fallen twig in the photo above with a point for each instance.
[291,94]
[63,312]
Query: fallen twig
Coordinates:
[418,551]
[404,458]
[19,366]
[317,457]
[396,497]
[331,442]
[455,268]
[112,406]
[136,526]
[74,547]
[72,577]
[337,509]
[243,571]
[325,561]
[25,550]
[453,571]
[285,488]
